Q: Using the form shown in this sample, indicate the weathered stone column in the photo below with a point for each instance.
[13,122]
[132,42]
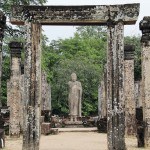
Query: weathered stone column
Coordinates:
[14,96]
[115,84]
[101,100]
[22,96]
[130,117]
[2,26]
[46,94]
[138,94]
[32,87]
[145,41]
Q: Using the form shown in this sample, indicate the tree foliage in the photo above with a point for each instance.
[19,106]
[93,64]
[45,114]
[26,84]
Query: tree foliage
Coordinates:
[11,34]
[84,54]
[135,40]
[5,5]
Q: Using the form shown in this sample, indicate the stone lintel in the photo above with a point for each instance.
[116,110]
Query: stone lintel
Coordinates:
[145,28]
[129,52]
[75,15]
[15,48]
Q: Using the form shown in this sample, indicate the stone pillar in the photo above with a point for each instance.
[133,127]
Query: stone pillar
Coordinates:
[46,99]
[101,100]
[22,96]
[130,121]
[138,94]
[32,87]
[115,85]
[2,26]
[46,94]
[145,41]
[105,87]
[14,96]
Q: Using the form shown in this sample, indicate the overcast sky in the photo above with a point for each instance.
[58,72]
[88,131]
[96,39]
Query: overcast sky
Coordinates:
[56,32]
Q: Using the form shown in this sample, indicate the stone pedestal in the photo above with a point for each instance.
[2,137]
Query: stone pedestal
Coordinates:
[145,41]
[45,128]
[73,124]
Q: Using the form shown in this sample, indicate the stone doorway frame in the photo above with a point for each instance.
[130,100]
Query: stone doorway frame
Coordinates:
[112,16]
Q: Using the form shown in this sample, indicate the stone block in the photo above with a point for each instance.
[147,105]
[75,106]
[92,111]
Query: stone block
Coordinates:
[45,128]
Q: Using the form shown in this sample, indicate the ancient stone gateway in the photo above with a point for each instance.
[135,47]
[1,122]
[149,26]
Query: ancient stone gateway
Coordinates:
[115,17]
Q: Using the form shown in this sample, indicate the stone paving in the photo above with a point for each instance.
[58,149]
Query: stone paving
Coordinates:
[72,141]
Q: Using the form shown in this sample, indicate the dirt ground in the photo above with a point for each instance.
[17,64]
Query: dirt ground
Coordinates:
[72,141]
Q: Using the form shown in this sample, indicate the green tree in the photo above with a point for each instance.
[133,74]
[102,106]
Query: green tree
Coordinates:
[85,54]
[11,34]
[135,40]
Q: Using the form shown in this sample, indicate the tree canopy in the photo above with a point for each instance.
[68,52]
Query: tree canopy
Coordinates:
[84,54]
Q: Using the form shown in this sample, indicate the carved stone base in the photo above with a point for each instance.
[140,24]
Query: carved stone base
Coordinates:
[73,124]
[45,128]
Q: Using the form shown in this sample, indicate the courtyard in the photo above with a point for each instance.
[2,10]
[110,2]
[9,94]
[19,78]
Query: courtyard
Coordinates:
[72,141]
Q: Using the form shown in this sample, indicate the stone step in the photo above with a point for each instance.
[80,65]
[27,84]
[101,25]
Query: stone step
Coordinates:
[93,129]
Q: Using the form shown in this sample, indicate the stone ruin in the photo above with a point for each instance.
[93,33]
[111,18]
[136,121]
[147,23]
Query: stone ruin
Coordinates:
[130,107]
[46,94]
[121,104]
[14,90]
[115,17]
[136,93]
[45,105]
[120,107]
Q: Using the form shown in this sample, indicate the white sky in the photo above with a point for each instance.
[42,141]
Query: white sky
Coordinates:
[56,32]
